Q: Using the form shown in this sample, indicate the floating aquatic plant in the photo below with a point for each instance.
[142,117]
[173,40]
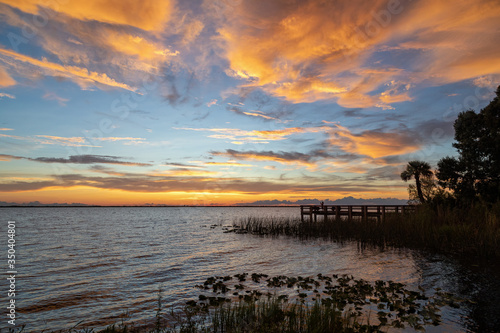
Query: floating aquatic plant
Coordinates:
[310,304]
[323,303]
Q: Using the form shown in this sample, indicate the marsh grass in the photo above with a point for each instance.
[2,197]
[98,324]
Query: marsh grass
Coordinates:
[475,231]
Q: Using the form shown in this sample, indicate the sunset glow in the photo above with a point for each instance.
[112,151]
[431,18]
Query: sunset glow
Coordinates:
[221,102]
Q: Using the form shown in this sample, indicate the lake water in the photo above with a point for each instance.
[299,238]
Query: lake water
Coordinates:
[95,264]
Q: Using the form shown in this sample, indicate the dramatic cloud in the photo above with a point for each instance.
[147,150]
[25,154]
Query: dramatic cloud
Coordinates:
[314,50]
[301,51]
[147,15]
[89,46]
[348,90]
[453,43]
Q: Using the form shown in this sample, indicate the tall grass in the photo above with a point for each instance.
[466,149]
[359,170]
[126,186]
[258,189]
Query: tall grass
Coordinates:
[474,231]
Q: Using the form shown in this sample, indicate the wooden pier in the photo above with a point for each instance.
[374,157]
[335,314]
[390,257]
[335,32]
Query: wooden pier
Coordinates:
[353,211]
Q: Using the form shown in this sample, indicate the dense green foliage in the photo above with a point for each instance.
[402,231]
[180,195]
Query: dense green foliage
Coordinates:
[475,174]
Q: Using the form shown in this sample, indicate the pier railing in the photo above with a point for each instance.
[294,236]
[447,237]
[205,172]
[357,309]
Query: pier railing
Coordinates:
[353,211]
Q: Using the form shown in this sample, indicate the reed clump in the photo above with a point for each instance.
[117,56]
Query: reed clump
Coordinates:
[475,231]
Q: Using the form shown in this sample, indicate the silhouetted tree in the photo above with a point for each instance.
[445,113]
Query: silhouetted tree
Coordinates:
[429,190]
[476,171]
[417,170]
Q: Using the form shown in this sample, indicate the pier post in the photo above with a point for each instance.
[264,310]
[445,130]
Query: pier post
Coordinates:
[349,212]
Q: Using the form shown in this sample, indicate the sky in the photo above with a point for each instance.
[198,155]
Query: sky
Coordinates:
[219,102]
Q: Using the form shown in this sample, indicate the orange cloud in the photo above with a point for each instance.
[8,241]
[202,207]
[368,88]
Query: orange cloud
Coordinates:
[146,15]
[5,79]
[458,41]
[109,41]
[256,136]
[83,77]
[296,51]
[125,53]
[373,143]
[314,50]
[138,46]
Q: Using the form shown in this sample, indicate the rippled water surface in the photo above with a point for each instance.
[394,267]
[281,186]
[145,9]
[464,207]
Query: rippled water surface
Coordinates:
[95,264]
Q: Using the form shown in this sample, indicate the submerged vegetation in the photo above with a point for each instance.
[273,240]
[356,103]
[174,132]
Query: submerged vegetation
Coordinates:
[259,303]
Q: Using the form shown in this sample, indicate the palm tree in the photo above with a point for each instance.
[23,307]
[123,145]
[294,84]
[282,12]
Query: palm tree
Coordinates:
[417,169]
